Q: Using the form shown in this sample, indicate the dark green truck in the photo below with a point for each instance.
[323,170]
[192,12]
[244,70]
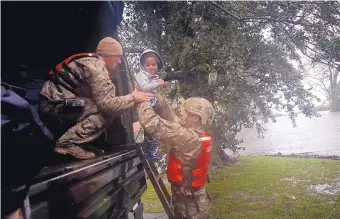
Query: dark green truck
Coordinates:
[35,37]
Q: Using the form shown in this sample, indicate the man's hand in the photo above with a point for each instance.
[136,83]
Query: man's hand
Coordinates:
[161,83]
[140,96]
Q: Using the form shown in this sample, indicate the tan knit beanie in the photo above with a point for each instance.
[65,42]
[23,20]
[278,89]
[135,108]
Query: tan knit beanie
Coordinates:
[109,47]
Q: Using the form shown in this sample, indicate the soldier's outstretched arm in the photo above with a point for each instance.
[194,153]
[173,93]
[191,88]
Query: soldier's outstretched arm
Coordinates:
[163,109]
[185,142]
[102,88]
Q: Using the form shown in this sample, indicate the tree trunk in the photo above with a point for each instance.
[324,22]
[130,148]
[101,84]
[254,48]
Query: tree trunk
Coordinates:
[218,157]
[334,93]
[215,158]
[335,101]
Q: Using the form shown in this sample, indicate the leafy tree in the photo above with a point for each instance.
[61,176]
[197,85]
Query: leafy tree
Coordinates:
[311,27]
[222,58]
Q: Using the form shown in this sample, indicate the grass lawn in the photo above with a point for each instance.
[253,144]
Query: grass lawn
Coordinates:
[269,187]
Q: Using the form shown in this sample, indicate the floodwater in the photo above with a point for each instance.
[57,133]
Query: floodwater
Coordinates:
[312,136]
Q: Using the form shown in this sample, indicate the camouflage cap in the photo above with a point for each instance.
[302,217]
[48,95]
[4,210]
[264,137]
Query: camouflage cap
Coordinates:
[200,107]
[109,47]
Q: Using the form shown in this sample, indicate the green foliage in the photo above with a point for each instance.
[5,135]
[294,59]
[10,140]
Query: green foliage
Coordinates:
[254,74]
[313,28]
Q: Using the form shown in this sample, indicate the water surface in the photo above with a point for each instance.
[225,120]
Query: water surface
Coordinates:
[316,136]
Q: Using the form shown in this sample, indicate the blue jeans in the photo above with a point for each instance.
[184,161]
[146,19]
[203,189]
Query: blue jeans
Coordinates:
[150,148]
[153,101]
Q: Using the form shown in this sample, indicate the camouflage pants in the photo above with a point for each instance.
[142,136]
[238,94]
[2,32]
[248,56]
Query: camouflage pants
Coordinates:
[194,206]
[90,123]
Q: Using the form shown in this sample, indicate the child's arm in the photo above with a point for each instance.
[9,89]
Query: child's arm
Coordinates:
[160,82]
[143,82]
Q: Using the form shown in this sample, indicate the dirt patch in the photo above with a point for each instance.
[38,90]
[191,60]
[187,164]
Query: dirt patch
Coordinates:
[294,180]
[327,189]
[288,207]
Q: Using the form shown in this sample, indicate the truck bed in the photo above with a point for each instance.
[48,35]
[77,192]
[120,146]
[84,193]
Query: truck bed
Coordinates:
[89,189]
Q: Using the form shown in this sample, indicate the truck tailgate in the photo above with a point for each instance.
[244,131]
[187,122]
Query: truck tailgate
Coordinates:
[104,187]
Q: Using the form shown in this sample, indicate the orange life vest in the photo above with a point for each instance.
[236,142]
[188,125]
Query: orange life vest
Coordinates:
[199,172]
[61,74]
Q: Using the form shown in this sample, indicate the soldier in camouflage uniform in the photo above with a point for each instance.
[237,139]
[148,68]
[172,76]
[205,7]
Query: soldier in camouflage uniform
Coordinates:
[87,78]
[183,136]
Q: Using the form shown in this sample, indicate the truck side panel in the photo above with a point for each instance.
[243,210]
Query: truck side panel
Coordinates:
[108,187]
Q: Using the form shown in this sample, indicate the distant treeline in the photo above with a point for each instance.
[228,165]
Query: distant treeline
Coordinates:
[322,108]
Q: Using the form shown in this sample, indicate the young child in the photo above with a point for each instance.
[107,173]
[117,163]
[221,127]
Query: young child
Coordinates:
[148,80]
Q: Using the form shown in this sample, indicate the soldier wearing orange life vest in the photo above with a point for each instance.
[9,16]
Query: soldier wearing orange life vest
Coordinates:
[190,151]
[86,77]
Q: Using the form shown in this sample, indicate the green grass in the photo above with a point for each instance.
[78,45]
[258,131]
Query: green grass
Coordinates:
[259,187]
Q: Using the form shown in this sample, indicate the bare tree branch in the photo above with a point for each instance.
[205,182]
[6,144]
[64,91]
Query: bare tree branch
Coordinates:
[226,11]
[131,50]
[284,22]
[303,51]
[325,88]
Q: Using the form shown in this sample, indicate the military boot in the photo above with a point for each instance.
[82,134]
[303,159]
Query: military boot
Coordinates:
[75,151]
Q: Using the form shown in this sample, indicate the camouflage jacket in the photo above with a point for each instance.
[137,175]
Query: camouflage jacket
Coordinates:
[94,83]
[185,143]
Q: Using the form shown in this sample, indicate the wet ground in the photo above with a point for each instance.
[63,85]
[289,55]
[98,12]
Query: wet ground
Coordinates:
[315,136]
[154,216]
[151,216]
[326,189]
